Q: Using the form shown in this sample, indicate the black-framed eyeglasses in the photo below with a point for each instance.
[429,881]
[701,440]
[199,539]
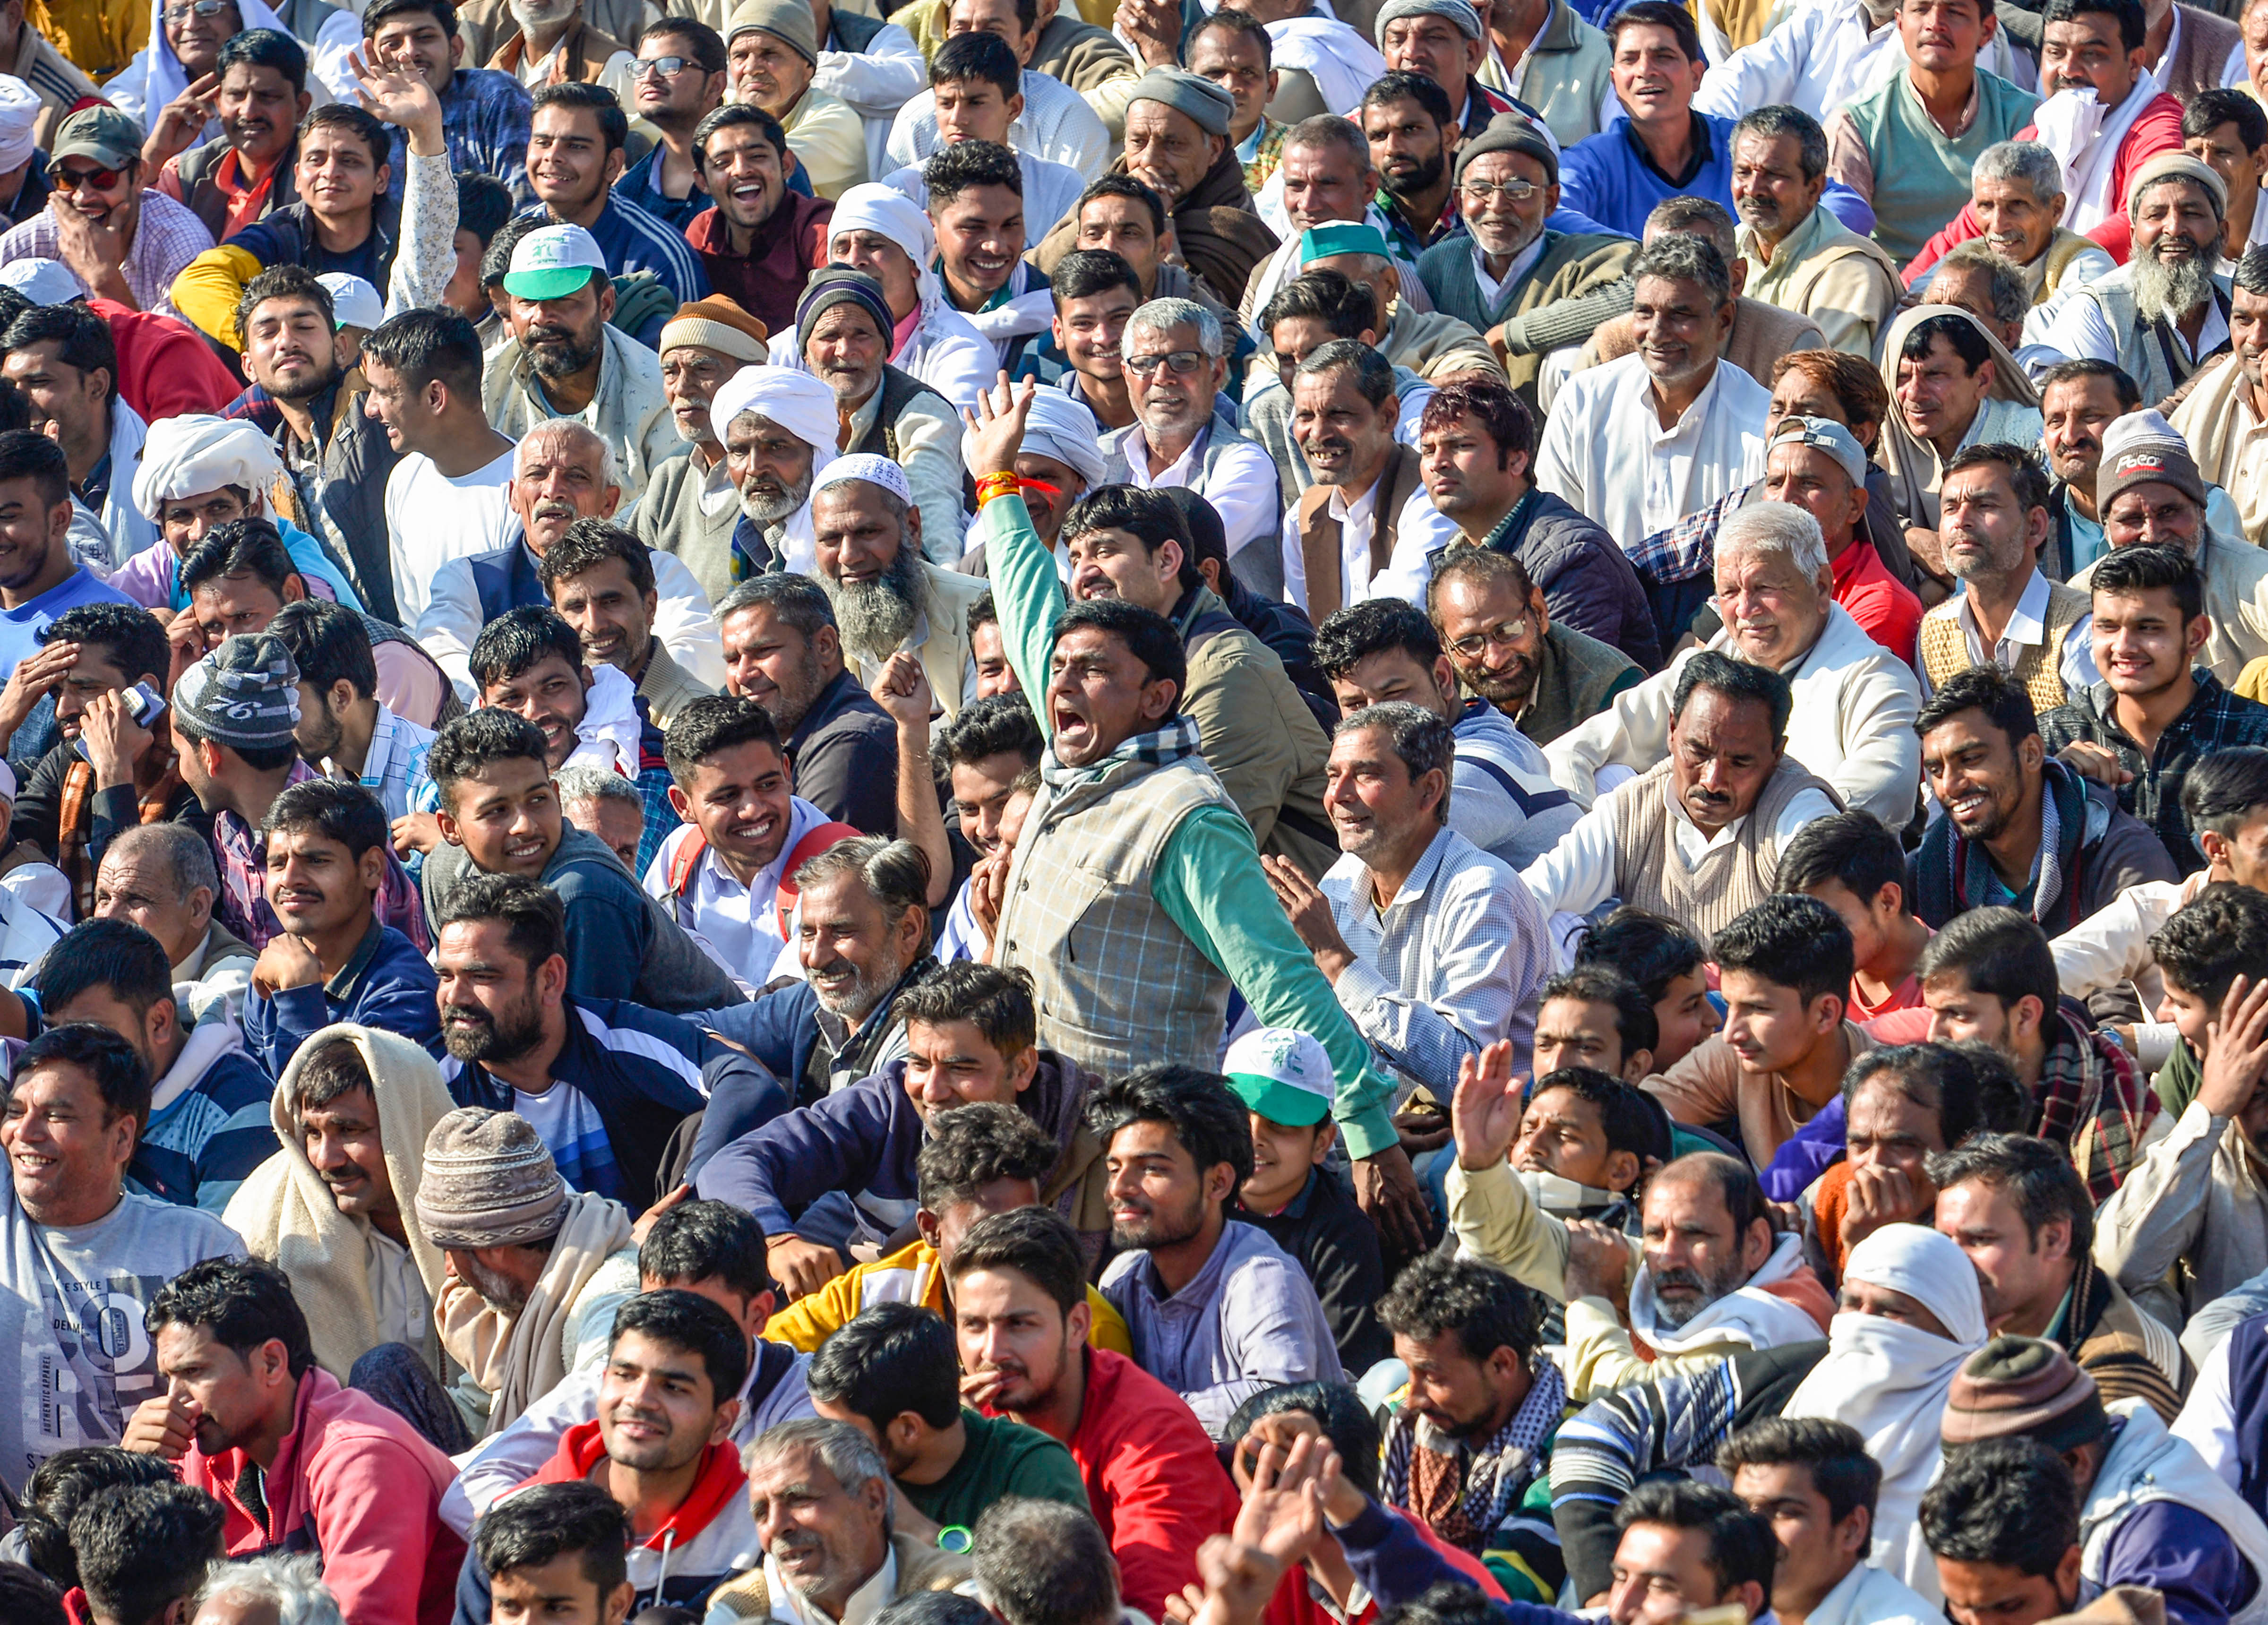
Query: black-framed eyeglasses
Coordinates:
[199,8]
[1180,363]
[661,67]
[1504,634]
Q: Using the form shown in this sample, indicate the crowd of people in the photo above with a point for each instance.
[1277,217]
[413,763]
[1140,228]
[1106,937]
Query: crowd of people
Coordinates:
[1139,813]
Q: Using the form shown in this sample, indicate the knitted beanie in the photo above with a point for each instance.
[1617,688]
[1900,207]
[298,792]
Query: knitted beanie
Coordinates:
[2022,1386]
[841,284]
[244,695]
[716,323]
[2142,448]
[489,1182]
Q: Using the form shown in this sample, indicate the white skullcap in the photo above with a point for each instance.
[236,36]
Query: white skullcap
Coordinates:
[354,302]
[20,111]
[190,454]
[874,207]
[867,466]
[791,398]
[43,282]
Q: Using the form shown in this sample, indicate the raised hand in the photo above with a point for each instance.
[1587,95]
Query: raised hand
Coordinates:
[903,690]
[179,123]
[995,428]
[400,96]
[2239,1053]
[1486,1108]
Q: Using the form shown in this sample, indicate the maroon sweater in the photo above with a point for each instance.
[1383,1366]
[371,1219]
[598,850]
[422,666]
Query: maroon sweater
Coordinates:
[766,282]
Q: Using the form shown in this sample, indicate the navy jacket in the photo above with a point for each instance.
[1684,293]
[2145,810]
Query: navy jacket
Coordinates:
[386,984]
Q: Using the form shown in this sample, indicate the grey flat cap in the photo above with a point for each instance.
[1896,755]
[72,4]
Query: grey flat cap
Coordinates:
[1183,91]
[1511,132]
[1461,13]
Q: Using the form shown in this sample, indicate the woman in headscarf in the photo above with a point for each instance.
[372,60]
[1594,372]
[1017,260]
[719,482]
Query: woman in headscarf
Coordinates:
[1911,1312]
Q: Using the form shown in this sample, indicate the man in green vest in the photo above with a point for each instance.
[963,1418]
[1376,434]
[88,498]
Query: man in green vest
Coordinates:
[1136,895]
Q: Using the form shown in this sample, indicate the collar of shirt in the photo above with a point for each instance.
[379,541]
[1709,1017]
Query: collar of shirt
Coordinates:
[1968,112]
[2207,698]
[340,989]
[1793,249]
[379,759]
[1689,421]
[2028,624]
[1362,899]
[1692,845]
[1176,473]
[1492,287]
[1704,148]
[1361,514]
[869,1600]
[1204,1286]
[711,875]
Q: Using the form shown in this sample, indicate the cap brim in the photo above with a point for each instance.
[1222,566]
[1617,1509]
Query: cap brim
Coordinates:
[108,157]
[1279,1102]
[562,283]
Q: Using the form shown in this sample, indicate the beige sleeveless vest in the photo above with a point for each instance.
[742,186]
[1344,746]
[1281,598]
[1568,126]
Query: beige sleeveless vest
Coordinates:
[1732,879]
[1945,646]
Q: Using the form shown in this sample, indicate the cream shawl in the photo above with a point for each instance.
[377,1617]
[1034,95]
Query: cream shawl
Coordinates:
[1913,465]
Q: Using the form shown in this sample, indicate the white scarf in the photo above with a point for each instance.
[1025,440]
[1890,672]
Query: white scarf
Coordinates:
[1752,1315]
[1341,61]
[1888,1379]
[2085,138]
[609,734]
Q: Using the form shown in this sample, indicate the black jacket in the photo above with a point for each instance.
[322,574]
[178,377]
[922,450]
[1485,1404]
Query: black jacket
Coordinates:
[844,757]
[357,458]
[1335,1242]
[1587,582]
[1286,628]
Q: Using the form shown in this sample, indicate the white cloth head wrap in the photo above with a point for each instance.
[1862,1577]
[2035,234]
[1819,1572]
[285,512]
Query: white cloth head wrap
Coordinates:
[608,737]
[20,111]
[803,406]
[867,466]
[886,211]
[190,454]
[1059,428]
[1889,1380]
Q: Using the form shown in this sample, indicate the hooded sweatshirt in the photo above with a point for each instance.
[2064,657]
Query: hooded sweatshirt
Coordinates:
[711,1537]
[207,1127]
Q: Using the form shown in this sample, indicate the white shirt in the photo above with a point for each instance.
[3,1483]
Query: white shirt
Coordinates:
[1242,487]
[1051,191]
[876,82]
[1523,262]
[2028,628]
[1420,531]
[432,519]
[131,530]
[1057,124]
[789,1608]
[1872,1596]
[1578,874]
[1606,454]
[738,924]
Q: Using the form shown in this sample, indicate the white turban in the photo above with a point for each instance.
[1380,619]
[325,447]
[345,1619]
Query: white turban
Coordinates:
[1062,428]
[803,406]
[887,212]
[20,111]
[191,454]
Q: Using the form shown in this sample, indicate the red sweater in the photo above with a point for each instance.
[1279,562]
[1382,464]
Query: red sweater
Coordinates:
[357,1484]
[2156,129]
[166,369]
[1293,1604]
[1884,606]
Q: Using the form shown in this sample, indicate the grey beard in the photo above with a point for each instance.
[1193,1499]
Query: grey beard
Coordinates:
[542,14]
[2170,291]
[562,361]
[777,510]
[875,616]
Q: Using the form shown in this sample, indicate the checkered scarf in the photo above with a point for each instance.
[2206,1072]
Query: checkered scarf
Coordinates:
[2091,1103]
[1177,738]
[1464,1494]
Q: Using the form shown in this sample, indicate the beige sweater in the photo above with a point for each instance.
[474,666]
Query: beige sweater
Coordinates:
[1711,1086]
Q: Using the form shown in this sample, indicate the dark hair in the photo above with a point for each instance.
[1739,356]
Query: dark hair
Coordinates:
[729,116]
[363,127]
[120,1076]
[1042,1562]
[2133,23]
[1338,1410]
[589,543]
[247,547]
[484,204]
[1485,568]
[1791,942]
[1853,850]
[689,1321]
[27,1599]
[244,1303]
[2010,1502]
[972,1146]
[934,1608]
[999,724]
[1659,14]
[597,99]
[708,45]
[1966,1087]
[479,740]
[1347,309]
[704,1240]
[1650,951]
[986,57]
[1373,374]
[115,954]
[1773,123]
[713,723]
[26,454]
[796,601]
[128,635]
[533,918]
[1038,1242]
[380,12]
[1962,333]
[1128,186]
[952,170]
[997,1003]
[517,642]
[1445,1602]
[2210,109]
[2152,567]
[886,1359]
[82,339]
[1150,517]
[1630,1119]
[328,643]
[1997,952]
[1735,680]
[1733,1179]
[1085,272]
[1210,1121]
[1352,635]
[142,1548]
[337,810]
[2252,264]
[64,1483]
[1483,1304]
[426,345]
[2002,697]
[328,1071]
[2036,1176]
[1400,85]
[1148,636]
[1244,25]
[1419,738]
[1835,1454]
[531,1526]
[2210,941]
[1742,1544]
[2226,790]
[1489,403]
[2028,481]
[288,281]
[2122,383]
[1635,1023]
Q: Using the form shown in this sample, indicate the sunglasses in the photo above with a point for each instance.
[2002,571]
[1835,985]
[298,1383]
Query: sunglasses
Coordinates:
[661,67]
[198,8]
[72,179]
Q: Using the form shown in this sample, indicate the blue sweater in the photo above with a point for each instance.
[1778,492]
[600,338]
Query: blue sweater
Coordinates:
[387,984]
[1609,177]
[199,1146]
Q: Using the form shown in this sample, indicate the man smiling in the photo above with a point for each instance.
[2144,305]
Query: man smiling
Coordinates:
[117,239]
[760,241]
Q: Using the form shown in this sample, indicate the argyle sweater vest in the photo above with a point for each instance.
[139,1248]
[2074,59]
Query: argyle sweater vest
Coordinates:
[1733,878]
[1945,646]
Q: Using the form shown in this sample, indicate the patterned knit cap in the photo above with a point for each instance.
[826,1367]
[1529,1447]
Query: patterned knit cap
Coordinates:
[2024,1387]
[489,1182]
[244,695]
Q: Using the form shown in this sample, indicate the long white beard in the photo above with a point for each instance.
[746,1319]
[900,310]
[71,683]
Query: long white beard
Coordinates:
[876,617]
[2172,290]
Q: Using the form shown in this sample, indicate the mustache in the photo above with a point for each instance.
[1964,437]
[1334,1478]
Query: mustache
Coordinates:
[467,1012]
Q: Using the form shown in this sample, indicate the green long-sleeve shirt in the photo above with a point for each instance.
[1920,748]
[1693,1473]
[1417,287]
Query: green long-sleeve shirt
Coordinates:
[1208,879]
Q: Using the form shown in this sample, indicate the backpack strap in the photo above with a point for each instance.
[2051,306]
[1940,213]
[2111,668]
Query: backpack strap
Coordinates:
[688,854]
[815,840]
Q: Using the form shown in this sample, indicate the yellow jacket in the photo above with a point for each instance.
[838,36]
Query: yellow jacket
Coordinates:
[99,37]
[908,1275]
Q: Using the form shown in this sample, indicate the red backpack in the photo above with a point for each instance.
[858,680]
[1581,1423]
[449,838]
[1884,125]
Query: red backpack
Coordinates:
[815,840]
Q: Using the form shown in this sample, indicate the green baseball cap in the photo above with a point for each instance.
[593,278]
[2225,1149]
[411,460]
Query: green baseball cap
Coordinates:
[555,262]
[1282,1074]
[1321,242]
[103,134]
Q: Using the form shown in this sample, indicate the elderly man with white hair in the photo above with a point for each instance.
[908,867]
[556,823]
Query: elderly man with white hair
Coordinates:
[888,599]
[562,472]
[778,425]
[1175,360]
[1855,702]
[198,473]
[689,506]
[877,230]
[2016,191]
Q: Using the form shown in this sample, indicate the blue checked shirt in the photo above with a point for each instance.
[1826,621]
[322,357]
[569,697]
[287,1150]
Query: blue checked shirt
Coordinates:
[2214,719]
[484,120]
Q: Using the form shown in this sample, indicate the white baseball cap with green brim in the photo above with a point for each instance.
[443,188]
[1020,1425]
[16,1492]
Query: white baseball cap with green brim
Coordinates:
[555,262]
[1283,1075]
